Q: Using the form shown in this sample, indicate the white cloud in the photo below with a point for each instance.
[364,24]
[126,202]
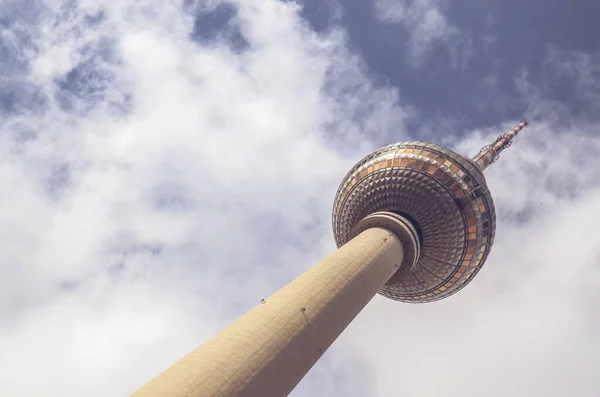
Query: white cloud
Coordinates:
[564,74]
[427,25]
[165,186]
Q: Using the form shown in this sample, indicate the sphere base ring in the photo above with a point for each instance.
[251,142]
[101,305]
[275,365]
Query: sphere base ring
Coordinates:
[403,229]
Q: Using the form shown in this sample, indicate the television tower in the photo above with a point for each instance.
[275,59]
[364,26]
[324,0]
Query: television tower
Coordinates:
[413,221]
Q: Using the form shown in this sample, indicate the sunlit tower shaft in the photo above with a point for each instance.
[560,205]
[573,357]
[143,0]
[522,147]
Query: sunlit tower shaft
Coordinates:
[413,221]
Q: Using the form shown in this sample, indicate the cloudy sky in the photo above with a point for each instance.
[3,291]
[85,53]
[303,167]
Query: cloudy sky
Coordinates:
[167,164]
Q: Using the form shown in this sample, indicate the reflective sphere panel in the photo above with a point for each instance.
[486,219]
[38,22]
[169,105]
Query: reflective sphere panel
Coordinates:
[446,196]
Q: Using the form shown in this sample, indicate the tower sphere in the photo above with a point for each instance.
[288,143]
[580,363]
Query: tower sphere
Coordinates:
[445,196]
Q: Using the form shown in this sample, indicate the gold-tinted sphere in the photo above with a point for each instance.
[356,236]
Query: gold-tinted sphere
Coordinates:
[443,193]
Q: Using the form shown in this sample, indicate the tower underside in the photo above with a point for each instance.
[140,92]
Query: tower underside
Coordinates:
[444,193]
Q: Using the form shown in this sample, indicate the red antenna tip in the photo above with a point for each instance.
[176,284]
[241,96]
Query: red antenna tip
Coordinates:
[489,153]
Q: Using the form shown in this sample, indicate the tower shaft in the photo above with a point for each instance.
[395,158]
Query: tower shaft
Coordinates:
[271,348]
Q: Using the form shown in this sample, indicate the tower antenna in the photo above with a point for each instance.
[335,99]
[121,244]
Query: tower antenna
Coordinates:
[490,153]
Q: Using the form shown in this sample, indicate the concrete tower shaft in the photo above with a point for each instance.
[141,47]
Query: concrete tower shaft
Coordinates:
[269,350]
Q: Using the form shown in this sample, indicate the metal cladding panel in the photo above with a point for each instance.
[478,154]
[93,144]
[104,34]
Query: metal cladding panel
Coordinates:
[444,193]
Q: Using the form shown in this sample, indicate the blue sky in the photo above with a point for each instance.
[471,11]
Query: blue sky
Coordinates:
[168,164]
[471,58]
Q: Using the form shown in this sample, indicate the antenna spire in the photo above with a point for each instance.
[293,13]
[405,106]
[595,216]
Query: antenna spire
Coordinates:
[490,153]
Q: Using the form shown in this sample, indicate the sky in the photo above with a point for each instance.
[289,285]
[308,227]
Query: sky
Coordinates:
[167,164]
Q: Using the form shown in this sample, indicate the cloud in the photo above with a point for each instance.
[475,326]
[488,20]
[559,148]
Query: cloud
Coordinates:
[568,85]
[164,181]
[427,26]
